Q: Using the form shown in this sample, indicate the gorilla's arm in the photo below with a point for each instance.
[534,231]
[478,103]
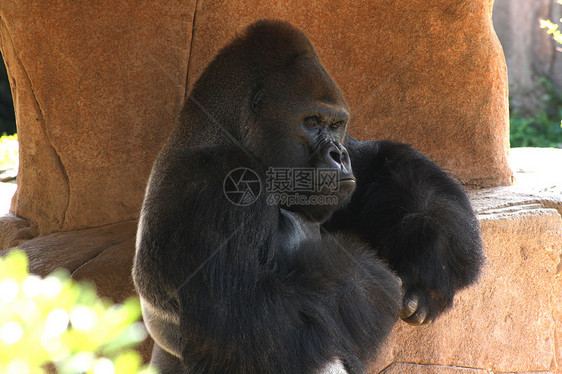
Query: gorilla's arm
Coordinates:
[417,218]
[197,252]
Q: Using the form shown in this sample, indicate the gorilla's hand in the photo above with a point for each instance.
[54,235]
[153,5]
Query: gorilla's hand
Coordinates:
[418,219]
[415,307]
[422,304]
[413,311]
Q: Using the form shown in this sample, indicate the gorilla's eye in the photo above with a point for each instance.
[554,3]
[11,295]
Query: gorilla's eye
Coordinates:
[336,125]
[311,121]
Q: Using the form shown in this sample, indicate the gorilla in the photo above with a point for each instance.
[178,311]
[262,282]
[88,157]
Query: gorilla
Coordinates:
[270,283]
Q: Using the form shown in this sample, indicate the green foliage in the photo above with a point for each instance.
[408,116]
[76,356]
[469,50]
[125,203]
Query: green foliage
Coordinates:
[544,129]
[8,151]
[56,320]
[551,29]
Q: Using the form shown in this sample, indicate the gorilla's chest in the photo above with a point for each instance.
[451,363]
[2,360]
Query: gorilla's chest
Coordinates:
[294,232]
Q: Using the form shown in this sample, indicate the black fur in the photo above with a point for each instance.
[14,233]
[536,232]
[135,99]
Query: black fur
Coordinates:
[417,218]
[270,288]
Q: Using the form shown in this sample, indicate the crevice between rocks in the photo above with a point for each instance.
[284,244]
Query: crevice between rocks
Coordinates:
[191,42]
[509,200]
[99,254]
[456,367]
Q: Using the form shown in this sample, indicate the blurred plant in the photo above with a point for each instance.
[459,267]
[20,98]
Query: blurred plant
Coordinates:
[8,151]
[544,129]
[56,320]
[552,28]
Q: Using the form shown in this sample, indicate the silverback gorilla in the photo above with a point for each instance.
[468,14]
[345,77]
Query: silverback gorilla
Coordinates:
[277,286]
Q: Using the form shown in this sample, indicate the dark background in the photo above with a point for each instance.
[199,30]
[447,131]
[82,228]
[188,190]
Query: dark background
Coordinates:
[7,118]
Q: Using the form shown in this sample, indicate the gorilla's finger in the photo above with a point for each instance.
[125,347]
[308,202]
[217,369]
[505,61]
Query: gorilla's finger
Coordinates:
[409,307]
[417,318]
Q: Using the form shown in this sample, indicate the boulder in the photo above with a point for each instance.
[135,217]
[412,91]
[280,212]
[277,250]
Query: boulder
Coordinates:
[15,230]
[73,250]
[97,88]
[510,321]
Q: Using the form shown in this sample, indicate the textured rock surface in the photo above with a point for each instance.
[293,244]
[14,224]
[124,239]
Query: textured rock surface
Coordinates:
[509,321]
[74,250]
[96,88]
[411,368]
[15,230]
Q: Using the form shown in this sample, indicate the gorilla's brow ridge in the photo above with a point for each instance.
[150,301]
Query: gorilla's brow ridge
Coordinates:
[329,112]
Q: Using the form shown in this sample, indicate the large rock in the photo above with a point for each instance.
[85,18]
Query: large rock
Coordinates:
[510,321]
[15,230]
[97,88]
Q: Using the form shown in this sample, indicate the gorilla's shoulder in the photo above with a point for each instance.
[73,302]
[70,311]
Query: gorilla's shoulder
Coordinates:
[194,161]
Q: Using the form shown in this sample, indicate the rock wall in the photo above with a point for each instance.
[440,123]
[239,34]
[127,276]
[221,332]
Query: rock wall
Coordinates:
[97,88]
[510,321]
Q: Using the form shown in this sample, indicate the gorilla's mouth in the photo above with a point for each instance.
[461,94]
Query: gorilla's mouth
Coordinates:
[347,180]
[346,185]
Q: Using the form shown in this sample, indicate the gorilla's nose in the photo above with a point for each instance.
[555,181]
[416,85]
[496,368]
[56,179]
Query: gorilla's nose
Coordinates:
[336,156]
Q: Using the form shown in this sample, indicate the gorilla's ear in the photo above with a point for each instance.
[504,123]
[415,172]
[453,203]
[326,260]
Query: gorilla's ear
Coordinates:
[258,96]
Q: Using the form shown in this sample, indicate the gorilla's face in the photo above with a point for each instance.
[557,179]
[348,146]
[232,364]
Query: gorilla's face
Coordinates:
[303,118]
